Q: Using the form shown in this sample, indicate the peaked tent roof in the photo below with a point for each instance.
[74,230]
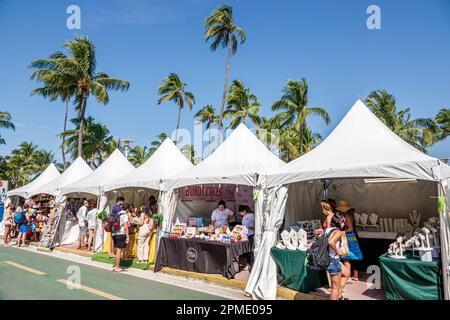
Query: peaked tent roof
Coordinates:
[49,174]
[76,171]
[167,161]
[114,167]
[360,146]
[238,160]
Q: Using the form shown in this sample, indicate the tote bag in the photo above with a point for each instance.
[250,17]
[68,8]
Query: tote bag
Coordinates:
[353,248]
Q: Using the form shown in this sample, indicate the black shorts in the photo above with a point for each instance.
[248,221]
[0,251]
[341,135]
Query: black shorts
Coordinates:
[119,241]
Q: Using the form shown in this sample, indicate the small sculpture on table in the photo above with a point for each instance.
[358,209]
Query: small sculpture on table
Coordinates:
[396,249]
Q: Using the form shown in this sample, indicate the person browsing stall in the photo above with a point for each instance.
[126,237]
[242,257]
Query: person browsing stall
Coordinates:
[116,208]
[248,221]
[91,219]
[221,215]
[121,238]
[82,223]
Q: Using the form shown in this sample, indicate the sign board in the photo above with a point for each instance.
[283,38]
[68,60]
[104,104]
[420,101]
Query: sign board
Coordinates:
[216,192]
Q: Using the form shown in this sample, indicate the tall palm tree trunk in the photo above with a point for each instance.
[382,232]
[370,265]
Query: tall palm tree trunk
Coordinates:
[178,125]
[300,150]
[225,87]
[80,134]
[209,138]
[63,149]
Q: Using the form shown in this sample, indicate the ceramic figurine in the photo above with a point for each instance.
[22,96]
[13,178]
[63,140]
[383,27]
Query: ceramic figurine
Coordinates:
[363,218]
[427,236]
[357,217]
[422,240]
[373,218]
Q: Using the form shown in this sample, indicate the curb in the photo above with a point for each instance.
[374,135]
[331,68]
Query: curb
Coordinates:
[282,292]
[73,251]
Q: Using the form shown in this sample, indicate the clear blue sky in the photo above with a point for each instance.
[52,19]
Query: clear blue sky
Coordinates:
[143,41]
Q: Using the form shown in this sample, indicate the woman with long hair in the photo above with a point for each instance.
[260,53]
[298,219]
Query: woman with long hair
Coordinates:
[337,248]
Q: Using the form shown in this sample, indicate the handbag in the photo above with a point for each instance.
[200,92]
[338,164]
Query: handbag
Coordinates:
[354,251]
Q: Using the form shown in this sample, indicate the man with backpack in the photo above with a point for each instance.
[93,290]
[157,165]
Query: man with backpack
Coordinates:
[117,223]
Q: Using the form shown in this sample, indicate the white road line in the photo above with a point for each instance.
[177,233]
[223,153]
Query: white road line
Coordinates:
[89,289]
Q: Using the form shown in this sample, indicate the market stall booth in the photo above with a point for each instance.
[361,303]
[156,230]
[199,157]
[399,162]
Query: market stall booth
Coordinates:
[92,187]
[42,204]
[145,181]
[393,187]
[230,173]
[53,220]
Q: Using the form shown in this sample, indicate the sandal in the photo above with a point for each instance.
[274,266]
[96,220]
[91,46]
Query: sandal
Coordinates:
[121,270]
[355,279]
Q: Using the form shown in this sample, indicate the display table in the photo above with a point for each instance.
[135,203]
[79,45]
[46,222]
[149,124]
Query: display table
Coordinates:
[297,276]
[201,256]
[411,279]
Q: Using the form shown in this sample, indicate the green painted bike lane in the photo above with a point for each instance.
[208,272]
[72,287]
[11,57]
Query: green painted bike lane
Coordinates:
[16,283]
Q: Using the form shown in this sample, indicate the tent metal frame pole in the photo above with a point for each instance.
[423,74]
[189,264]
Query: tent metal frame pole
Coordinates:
[445,227]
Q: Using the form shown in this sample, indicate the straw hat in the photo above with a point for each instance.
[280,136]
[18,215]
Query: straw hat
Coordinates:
[343,205]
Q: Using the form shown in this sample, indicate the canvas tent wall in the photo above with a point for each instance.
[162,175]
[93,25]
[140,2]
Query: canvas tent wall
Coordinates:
[114,167]
[237,161]
[77,170]
[361,146]
[49,174]
[146,180]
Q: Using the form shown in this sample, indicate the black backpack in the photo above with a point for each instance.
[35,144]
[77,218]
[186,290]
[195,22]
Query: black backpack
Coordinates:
[318,258]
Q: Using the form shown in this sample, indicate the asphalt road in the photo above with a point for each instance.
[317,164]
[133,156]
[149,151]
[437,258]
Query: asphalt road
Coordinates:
[29,275]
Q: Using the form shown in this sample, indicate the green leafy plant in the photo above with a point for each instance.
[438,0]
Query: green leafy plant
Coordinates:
[102,215]
[158,218]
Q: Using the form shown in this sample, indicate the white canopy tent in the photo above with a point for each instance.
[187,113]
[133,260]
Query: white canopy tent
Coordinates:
[76,171]
[114,167]
[239,160]
[26,191]
[361,146]
[166,162]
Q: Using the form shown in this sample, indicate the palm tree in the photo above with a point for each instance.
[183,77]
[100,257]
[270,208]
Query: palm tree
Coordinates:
[310,140]
[96,141]
[189,152]
[241,104]
[155,144]
[79,69]
[174,90]
[269,132]
[24,163]
[294,108]
[5,122]
[113,145]
[207,115]
[220,27]
[50,69]
[443,121]
[138,155]
[417,132]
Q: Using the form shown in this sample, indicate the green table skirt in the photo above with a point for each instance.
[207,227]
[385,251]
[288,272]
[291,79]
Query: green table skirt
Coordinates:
[411,279]
[296,275]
